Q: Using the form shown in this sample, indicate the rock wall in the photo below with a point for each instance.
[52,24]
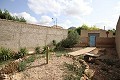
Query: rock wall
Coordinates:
[14,35]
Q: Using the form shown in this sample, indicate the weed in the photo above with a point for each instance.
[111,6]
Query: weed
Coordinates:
[21,53]
[5,54]
[54,42]
[22,66]
[30,59]
[76,71]
[37,50]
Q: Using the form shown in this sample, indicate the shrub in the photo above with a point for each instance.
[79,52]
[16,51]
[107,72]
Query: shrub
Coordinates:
[70,41]
[21,53]
[22,66]
[54,42]
[5,54]
[59,45]
[37,50]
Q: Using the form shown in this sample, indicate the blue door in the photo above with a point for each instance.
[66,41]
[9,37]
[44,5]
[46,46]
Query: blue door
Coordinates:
[92,41]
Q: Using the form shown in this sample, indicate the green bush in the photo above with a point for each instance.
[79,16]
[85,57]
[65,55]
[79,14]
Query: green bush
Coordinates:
[54,42]
[21,53]
[70,41]
[22,66]
[5,54]
[37,50]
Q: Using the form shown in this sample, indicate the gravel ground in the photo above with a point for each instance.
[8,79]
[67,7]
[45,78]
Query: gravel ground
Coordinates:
[39,70]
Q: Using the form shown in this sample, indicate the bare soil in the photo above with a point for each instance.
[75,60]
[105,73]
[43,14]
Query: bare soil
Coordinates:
[107,66]
[39,70]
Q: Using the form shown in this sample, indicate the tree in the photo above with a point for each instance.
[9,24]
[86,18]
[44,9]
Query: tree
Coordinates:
[22,19]
[6,15]
[0,13]
[113,30]
[85,27]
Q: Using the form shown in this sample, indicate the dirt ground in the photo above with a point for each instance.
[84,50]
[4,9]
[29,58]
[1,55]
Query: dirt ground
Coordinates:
[107,66]
[39,70]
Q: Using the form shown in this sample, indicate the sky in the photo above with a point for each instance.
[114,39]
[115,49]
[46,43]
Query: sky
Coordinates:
[69,13]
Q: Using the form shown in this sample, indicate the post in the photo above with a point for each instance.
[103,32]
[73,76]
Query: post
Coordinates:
[47,55]
[56,22]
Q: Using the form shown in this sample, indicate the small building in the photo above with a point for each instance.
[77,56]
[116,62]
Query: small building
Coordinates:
[97,38]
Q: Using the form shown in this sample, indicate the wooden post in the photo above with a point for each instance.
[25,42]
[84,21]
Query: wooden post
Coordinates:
[47,55]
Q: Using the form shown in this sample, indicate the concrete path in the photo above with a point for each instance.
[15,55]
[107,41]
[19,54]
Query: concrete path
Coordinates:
[82,51]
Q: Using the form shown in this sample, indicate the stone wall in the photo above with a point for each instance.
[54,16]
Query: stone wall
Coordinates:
[117,39]
[14,35]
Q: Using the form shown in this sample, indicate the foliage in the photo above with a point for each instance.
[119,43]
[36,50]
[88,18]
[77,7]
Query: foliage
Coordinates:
[30,59]
[21,53]
[22,66]
[70,41]
[74,72]
[83,27]
[113,30]
[6,15]
[5,54]
[54,42]
[37,50]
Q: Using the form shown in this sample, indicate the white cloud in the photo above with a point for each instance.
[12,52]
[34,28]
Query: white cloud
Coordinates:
[58,7]
[107,23]
[66,24]
[27,16]
[76,7]
[45,6]
[117,7]
[45,20]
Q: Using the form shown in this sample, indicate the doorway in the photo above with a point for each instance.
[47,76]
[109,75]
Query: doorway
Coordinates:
[92,41]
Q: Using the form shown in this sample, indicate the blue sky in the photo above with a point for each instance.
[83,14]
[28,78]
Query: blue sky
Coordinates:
[68,12]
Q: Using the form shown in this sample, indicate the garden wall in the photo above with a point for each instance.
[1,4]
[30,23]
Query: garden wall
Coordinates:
[117,39]
[17,34]
[105,42]
[100,42]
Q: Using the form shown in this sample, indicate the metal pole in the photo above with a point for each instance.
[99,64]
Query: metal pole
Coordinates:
[56,22]
[104,27]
